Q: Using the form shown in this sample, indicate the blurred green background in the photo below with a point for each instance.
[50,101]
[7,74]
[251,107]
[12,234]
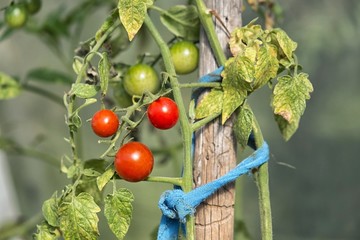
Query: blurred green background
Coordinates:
[319,199]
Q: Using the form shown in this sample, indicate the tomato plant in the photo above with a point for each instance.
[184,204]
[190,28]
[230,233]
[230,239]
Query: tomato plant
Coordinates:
[163,113]
[16,15]
[134,162]
[105,123]
[256,58]
[185,57]
[141,78]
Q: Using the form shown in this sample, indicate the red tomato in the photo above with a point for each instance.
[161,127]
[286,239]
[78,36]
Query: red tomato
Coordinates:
[163,113]
[134,162]
[105,123]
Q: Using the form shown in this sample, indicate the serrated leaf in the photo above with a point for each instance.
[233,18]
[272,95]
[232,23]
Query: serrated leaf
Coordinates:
[106,25]
[237,77]
[78,218]
[9,87]
[284,42]
[182,21]
[49,76]
[104,73]
[243,37]
[50,210]
[132,15]
[118,211]
[243,126]
[266,66]
[105,178]
[289,101]
[210,104]
[46,232]
[83,90]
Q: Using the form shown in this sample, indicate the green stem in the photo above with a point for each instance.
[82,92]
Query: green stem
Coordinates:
[262,177]
[171,180]
[197,125]
[209,28]
[42,92]
[184,123]
[262,182]
[71,102]
[200,84]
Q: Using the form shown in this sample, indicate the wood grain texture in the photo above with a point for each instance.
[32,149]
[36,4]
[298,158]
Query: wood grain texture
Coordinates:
[215,145]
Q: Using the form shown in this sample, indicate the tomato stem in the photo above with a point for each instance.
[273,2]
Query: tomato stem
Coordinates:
[187,178]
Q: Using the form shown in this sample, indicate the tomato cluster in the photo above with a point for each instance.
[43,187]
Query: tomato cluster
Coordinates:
[134,161]
[16,14]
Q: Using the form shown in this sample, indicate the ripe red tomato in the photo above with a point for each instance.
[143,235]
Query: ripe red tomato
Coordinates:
[163,113]
[105,123]
[185,57]
[134,162]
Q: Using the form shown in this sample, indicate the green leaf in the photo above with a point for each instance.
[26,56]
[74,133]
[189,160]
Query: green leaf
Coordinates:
[243,126]
[9,87]
[78,218]
[182,21]
[118,211]
[104,73]
[289,102]
[83,90]
[283,42]
[237,77]
[132,15]
[106,25]
[210,104]
[46,232]
[105,178]
[93,168]
[50,210]
[49,76]
[266,66]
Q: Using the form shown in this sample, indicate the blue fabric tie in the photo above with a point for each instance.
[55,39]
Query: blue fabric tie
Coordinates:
[176,205]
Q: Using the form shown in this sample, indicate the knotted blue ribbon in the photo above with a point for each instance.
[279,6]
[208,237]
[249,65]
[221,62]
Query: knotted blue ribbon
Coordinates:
[176,205]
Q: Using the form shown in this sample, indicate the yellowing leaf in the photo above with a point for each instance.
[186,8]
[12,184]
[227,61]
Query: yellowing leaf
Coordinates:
[267,65]
[289,101]
[243,126]
[118,211]
[210,104]
[285,44]
[46,232]
[132,14]
[78,218]
[237,77]
[104,72]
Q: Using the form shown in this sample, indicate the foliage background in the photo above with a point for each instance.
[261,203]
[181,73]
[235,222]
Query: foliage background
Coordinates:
[317,200]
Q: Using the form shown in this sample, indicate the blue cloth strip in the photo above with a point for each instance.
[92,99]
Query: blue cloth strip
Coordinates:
[176,205]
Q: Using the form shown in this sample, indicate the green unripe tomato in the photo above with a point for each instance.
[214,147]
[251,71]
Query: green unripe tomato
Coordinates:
[141,78]
[33,6]
[122,98]
[16,15]
[185,57]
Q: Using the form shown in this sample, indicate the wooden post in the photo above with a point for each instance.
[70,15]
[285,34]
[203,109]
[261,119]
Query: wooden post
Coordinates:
[215,145]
